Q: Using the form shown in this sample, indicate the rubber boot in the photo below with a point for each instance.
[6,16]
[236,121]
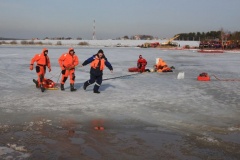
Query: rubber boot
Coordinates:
[41,85]
[72,87]
[42,88]
[62,87]
[85,85]
[96,92]
[95,89]
[36,82]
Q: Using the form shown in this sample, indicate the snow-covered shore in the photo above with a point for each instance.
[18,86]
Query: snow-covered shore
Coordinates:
[108,43]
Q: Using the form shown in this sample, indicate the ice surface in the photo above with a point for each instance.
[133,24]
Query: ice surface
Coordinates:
[160,99]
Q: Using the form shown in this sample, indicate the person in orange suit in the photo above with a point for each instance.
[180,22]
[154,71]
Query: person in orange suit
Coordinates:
[162,66]
[141,64]
[68,62]
[43,61]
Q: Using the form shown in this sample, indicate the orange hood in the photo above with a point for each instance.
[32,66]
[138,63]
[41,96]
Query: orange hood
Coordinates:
[71,49]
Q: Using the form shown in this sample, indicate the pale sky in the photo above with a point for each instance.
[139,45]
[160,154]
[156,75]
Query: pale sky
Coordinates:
[115,18]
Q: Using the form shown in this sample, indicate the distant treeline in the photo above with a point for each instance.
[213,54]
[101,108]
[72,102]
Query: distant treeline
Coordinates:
[31,42]
[212,35]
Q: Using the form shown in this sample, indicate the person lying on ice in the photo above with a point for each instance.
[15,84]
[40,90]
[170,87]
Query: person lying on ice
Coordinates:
[43,61]
[98,62]
[162,66]
[141,64]
[68,61]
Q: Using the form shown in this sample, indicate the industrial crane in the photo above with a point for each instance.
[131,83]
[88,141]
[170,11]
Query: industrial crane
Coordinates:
[169,42]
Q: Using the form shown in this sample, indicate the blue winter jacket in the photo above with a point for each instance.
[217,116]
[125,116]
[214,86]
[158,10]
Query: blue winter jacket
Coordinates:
[96,71]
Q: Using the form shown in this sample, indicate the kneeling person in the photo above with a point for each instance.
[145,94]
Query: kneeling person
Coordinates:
[162,66]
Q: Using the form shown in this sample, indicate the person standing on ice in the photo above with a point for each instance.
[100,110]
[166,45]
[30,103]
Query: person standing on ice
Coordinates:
[141,64]
[43,61]
[68,62]
[98,62]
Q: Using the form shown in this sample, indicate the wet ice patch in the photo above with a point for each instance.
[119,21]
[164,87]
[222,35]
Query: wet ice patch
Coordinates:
[4,127]
[208,139]
[17,148]
[7,153]
[5,150]
[233,129]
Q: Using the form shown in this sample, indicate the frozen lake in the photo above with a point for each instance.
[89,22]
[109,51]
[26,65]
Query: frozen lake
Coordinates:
[145,116]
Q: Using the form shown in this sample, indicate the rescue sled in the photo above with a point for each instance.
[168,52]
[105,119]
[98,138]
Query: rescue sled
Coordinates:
[47,84]
[203,77]
[133,69]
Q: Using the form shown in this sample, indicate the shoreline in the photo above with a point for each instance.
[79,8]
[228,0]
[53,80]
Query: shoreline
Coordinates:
[97,46]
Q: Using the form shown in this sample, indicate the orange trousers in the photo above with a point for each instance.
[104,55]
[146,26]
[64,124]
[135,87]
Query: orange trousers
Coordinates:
[41,70]
[66,73]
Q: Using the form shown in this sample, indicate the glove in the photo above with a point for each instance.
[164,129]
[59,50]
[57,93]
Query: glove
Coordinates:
[49,69]
[31,67]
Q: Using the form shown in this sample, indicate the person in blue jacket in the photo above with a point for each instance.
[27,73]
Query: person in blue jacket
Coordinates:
[98,62]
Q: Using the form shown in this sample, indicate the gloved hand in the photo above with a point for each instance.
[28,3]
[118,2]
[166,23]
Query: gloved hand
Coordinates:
[49,69]
[31,67]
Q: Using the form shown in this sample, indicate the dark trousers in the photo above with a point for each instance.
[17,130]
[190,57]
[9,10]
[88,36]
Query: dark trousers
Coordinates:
[93,79]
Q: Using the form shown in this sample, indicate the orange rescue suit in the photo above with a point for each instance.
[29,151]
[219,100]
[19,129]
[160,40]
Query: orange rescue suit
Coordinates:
[141,63]
[161,66]
[42,61]
[67,63]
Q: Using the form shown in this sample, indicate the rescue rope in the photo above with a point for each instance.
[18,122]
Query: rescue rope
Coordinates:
[52,75]
[224,79]
[59,76]
[105,79]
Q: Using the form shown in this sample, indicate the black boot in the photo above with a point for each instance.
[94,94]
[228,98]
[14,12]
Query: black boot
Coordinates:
[62,87]
[72,87]
[96,88]
[36,82]
[96,92]
[85,85]
[42,88]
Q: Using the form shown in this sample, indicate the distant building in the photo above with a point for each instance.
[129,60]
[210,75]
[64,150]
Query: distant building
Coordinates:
[143,37]
[136,37]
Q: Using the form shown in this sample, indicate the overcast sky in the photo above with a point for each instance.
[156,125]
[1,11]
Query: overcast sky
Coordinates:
[115,18]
